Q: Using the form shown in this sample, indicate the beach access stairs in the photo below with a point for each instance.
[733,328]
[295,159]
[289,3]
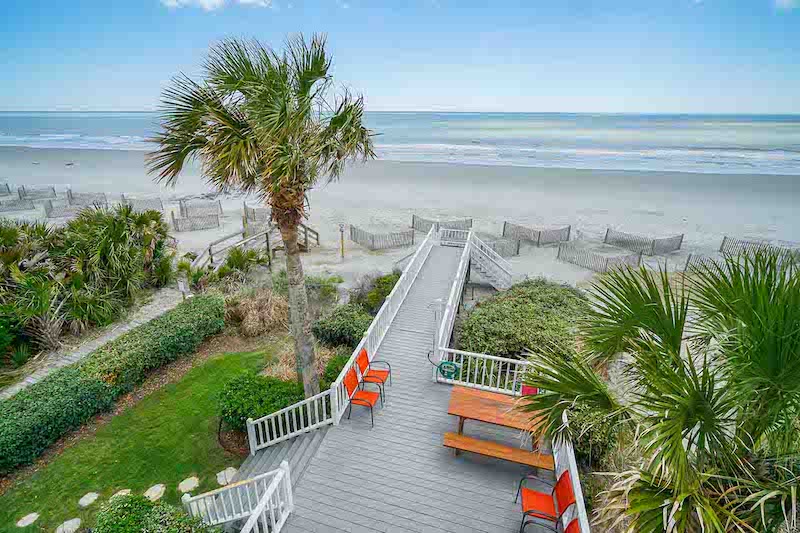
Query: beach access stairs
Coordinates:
[311,469]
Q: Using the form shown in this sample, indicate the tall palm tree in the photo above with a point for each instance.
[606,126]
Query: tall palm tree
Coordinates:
[710,395]
[268,123]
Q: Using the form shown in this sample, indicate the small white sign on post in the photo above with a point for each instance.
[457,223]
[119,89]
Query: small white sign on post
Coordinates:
[184,289]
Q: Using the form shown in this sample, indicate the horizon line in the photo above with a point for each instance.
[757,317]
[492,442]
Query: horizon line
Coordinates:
[673,113]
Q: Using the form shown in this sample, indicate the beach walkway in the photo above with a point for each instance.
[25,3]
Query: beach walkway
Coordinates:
[162,301]
[397,476]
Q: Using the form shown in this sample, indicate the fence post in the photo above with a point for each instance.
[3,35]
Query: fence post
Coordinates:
[539,239]
[504,228]
[722,246]
[681,241]
[653,248]
[210,255]
[518,244]
[412,236]
[605,239]
[413,221]
[172,216]
[334,404]
[569,231]
[251,436]
[269,251]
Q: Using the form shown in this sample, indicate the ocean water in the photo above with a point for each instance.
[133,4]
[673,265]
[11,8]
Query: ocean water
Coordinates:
[727,144]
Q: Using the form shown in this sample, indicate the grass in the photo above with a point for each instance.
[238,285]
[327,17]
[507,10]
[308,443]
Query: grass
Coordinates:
[166,437]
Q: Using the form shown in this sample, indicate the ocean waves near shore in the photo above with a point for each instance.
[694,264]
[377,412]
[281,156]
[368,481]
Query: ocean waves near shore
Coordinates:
[684,143]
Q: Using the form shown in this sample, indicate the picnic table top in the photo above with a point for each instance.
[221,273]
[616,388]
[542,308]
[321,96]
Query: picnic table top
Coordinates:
[489,407]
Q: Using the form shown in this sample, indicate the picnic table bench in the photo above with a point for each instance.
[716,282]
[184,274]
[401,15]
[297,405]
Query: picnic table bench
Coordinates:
[497,409]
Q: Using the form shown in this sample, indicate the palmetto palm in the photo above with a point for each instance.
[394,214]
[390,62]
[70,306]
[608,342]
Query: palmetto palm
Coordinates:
[709,394]
[266,122]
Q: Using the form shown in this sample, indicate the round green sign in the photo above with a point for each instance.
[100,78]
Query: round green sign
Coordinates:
[448,370]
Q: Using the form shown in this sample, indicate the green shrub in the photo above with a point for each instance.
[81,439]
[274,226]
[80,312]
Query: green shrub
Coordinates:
[346,326]
[20,355]
[123,514]
[383,286]
[137,514]
[594,436]
[122,363]
[530,314]
[333,368]
[250,395]
[321,290]
[37,416]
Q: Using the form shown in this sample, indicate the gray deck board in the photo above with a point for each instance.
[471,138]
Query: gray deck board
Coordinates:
[397,476]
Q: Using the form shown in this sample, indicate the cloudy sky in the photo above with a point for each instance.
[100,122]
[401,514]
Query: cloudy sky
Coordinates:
[712,56]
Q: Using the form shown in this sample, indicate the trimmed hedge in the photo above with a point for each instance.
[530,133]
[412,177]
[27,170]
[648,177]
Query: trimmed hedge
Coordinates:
[345,326]
[529,315]
[137,514]
[37,416]
[250,395]
[125,361]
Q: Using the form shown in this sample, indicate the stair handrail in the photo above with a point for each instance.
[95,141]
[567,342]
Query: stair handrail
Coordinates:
[275,505]
[381,323]
[231,502]
[301,417]
[487,250]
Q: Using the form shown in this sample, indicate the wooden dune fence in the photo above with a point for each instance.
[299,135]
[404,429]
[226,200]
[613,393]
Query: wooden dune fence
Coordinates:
[140,205]
[16,205]
[538,236]
[54,210]
[86,199]
[643,244]
[199,208]
[5,190]
[424,225]
[575,254]
[256,215]
[36,193]
[194,223]
[381,241]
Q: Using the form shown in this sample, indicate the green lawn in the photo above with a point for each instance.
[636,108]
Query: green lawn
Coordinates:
[167,437]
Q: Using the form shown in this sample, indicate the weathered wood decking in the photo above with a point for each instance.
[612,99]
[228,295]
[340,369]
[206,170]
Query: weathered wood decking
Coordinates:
[397,476]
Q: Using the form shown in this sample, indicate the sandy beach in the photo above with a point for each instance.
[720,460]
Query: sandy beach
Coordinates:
[381,196]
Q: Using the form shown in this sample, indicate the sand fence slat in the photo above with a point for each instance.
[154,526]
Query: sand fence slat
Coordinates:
[199,208]
[194,223]
[642,243]
[381,241]
[7,206]
[36,193]
[140,205]
[538,236]
[425,224]
[572,252]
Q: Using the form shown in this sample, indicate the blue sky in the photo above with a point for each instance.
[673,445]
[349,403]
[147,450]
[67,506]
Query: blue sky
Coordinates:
[714,56]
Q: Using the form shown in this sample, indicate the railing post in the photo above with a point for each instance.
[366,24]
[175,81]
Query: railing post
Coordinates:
[305,237]
[334,398]
[288,477]
[251,436]
[210,255]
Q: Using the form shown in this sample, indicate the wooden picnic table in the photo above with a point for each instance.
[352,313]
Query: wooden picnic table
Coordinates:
[489,407]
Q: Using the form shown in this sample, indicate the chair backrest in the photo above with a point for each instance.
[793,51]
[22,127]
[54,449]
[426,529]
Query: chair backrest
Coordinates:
[351,381]
[362,360]
[563,493]
[528,390]
[573,527]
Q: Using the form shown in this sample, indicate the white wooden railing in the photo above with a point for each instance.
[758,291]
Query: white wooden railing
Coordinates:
[492,263]
[381,323]
[445,328]
[275,505]
[233,502]
[301,417]
[564,458]
[485,372]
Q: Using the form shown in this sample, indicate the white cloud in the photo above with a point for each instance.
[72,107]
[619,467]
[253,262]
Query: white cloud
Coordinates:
[786,4]
[210,5]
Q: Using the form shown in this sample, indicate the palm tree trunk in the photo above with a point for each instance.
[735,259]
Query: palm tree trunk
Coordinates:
[299,319]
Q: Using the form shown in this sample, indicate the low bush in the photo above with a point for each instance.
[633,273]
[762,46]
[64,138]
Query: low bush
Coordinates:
[39,415]
[122,363]
[594,436]
[257,311]
[137,514]
[250,395]
[333,368]
[345,325]
[371,290]
[529,315]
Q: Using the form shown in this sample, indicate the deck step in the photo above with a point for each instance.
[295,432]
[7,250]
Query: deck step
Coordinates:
[498,451]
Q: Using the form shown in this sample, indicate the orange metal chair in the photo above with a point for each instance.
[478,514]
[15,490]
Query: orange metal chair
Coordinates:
[572,527]
[360,396]
[373,375]
[547,507]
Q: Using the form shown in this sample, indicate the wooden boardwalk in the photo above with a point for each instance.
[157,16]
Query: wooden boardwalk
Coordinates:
[397,476]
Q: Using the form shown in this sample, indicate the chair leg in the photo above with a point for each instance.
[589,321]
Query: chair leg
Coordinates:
[522,525]
[371,416]
[350,411]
